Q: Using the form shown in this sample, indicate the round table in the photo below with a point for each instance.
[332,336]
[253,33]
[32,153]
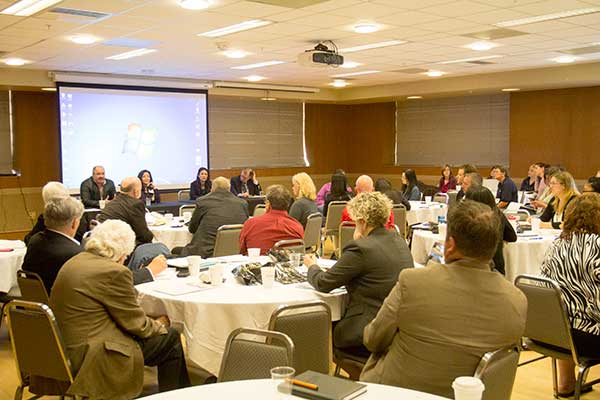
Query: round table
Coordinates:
[421,212]
[264,389]
[207,317]
[170,236]
[10,262]
[524,256]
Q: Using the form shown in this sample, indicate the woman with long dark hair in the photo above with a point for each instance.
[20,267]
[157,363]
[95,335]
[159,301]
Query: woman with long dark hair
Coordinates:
[338,191]
[409,183]
[201,185]
[149,190]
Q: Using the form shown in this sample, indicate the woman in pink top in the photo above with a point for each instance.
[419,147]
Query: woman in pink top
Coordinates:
[447,181]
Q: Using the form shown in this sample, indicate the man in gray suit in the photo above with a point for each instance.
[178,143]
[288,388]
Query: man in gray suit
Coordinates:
[219,207]
[438,321]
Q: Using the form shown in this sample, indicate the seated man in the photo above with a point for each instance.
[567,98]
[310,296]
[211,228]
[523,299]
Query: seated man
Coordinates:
[438,321]
[49,249]
[507,189]
[471,180]
[108,336]
[364,184]
[273,226]
[462,171]
[96,188]
[219,207]
[246,184]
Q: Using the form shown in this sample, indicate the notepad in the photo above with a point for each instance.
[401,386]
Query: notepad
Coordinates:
[329,387]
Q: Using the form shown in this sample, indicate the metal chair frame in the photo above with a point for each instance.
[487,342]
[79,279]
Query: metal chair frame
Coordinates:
[186,207]
[343,229]
[314,247]
[332,225]
[294,245]
[41,295]
[399,211]
[438,196]
[259,210]
[183,195]
[487,361]
[222,228]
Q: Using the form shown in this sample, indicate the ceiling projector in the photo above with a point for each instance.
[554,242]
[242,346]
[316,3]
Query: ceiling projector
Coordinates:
[320,56]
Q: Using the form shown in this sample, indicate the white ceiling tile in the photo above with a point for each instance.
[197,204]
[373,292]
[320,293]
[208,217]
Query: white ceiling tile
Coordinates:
[457,9]
[364,11]
[414,5]
[409,18]
[573,32]
[323,20]
[495,16]
[551,6]
[249,10]
[449,24]
[547,26]
[288,15]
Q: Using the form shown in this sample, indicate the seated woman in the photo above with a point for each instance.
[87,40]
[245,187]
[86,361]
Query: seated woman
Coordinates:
[564,191]
[572,262]
[338,191]
[483,195]
[410,189]
[305,193]
[150,193]
[528,184]
[368,267]
[545,197]
[202,185]
[592,185]
[447,181]
[384,186]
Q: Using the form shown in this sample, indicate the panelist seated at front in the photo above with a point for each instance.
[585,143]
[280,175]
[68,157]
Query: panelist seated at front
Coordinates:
[246,184]
[97,188]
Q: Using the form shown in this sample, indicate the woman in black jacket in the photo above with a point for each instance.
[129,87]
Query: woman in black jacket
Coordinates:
[201,185]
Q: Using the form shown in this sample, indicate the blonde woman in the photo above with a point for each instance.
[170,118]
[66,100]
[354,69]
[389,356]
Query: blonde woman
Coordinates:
[305,194]
[562,186]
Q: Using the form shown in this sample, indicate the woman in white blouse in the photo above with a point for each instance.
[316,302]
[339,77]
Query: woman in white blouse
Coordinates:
[574,262]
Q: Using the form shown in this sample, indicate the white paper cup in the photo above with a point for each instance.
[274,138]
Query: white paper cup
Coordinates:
[168,217]
[468,388]
[443,229]
[187,215]
[295,259]
[194,265]
[102,203]
[216,274]
[254,253]
[268,276]
[428,199]
[535,224]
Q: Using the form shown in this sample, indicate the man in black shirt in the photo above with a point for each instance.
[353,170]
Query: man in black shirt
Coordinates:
[507,190]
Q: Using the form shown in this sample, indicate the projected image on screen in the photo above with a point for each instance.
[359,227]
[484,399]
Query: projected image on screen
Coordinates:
[130,130]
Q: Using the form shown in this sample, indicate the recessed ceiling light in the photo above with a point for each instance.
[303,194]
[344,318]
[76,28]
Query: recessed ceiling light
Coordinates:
[549,17]
[366,27]
[15,62]
[355,74]
[464,60]
[481,46]
[434,73]
[25,8]
[131,54]
[350,64]
[259,65]
[254,78]
[414,97]
[83,39]
[195,4]
[235,53]
[511,90]
[49,89]
[564,59]
[339,83]
[242,26]
[372,46]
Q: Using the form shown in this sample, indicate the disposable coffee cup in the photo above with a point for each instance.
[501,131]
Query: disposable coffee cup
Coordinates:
[268,276]
[443,229]
[535,224]
[254,253]
[194,265]
[102,203]
[216,274]
[468,388]
[428,199]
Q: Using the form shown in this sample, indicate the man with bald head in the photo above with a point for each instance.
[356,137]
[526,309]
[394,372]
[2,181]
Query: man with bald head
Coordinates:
[364,184]
[97,188]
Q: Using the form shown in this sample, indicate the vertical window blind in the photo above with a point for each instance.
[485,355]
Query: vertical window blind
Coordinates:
[251,132]
[457,130]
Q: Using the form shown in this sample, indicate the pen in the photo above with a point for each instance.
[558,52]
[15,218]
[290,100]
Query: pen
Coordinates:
[307,385]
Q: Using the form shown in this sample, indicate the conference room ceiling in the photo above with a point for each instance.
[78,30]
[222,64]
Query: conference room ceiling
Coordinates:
[435,32]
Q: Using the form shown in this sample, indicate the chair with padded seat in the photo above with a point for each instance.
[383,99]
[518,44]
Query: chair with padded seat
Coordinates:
[183,195]
[441,198]
[345,235]
[293,245]
[32,287]
[186,208]
[399,211]
[254,356]
[259,210]
[497,370]
[335,210]
[312,232]
[227,242]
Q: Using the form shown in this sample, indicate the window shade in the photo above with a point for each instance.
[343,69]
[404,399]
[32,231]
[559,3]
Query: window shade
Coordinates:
[255,133]
[6,162]
[458,130]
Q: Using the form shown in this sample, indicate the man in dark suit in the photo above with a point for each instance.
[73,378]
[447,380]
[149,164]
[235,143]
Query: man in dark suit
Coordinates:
[50,248]
[219,207]
[246,184]
[97,188]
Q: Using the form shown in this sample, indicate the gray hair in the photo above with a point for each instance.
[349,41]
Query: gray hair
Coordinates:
[112,239]
[221,183]
[476,179]
[54,189]
[61,211]
[372,207]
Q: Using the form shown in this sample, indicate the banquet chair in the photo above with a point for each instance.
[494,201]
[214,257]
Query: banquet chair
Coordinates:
[332,221]
[227,242]
[309,327]
[548,329]
[85,238]
[441,198]
[32,287]
[259,210]
[183,195]
[346,235]
[344,360]
[34,331]
[497,370]
[5,299]
[400,218]
[293,245]
[186,207]
[312,232]
[254,356]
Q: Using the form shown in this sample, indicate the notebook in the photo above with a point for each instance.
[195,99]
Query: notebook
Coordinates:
[330,387]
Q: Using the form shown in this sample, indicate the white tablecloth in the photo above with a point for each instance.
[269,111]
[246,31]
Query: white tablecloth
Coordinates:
[264,389]
[425,212]
[207,318]
[524,256]
[171,237]
[10,262]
